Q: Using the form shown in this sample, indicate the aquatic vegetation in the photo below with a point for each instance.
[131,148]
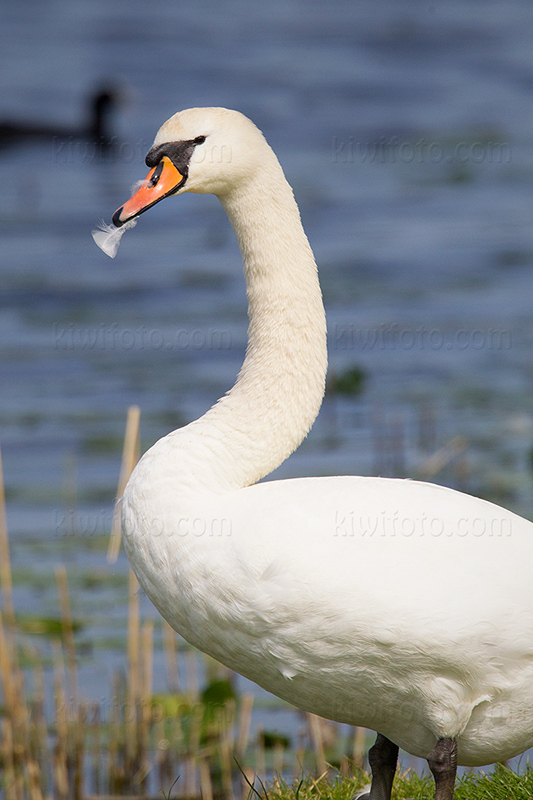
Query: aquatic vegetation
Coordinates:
[351,382]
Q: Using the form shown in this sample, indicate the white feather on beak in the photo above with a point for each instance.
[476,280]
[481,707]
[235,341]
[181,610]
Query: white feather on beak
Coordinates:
[108,237]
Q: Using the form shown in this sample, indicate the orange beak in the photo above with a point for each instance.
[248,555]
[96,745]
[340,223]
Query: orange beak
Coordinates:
[161,181]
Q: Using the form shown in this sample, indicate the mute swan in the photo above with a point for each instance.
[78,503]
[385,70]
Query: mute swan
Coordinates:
[399,606]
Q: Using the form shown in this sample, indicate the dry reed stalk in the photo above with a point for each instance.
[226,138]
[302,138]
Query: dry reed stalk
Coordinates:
[16,730]
[35,735]
[245,719]
[177,741]
[12,778]
[260,758]
[279,754]
[315,781]
[38,727]
[95,728]
[8,657]
[299,761]
[8,759]
[113,766]
[145,696]
[33,777]
[22,712]
[67,629]
[60,771]
[195,731]
[7,672]
[359,741]
[161,744]
[147,659]
[5,561]
[171,657]
[24,746]
[78,740]
[206,786]
[318,744]
[190,782]
[130,456]
[193,679]
[461,471]
[247,780]
[195,734]
[344,768]
[132,696]
[432,465]
[225,727]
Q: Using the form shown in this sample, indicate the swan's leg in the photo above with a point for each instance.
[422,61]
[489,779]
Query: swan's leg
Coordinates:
[383,757]
[443,764]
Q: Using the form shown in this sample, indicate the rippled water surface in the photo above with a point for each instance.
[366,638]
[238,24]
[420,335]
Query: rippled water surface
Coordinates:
[406,132]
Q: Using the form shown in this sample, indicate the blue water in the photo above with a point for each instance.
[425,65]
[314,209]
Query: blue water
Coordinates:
[406,132]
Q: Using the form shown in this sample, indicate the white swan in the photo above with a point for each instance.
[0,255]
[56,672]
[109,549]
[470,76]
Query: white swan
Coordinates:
[395,605]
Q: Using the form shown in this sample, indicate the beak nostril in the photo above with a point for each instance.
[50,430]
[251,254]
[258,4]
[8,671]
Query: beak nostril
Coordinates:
[156,174]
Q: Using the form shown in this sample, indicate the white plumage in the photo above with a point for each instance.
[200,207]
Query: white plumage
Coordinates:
[392,604]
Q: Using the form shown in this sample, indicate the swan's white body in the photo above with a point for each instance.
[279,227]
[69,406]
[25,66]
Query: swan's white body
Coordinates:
[396,605]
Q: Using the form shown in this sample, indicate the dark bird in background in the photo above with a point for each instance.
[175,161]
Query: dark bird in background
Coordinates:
[96,127]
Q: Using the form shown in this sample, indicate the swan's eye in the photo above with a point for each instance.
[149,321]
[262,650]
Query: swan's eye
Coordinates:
[199,140]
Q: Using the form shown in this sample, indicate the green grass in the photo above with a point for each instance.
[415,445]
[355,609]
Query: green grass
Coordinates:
[501,784]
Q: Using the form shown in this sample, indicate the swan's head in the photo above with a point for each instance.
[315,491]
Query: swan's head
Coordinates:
[209,150]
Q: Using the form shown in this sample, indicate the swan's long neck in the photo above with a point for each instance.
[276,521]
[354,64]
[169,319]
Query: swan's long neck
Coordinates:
[280,387]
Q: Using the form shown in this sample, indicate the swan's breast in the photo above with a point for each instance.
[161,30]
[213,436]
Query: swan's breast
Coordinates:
[306,584]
